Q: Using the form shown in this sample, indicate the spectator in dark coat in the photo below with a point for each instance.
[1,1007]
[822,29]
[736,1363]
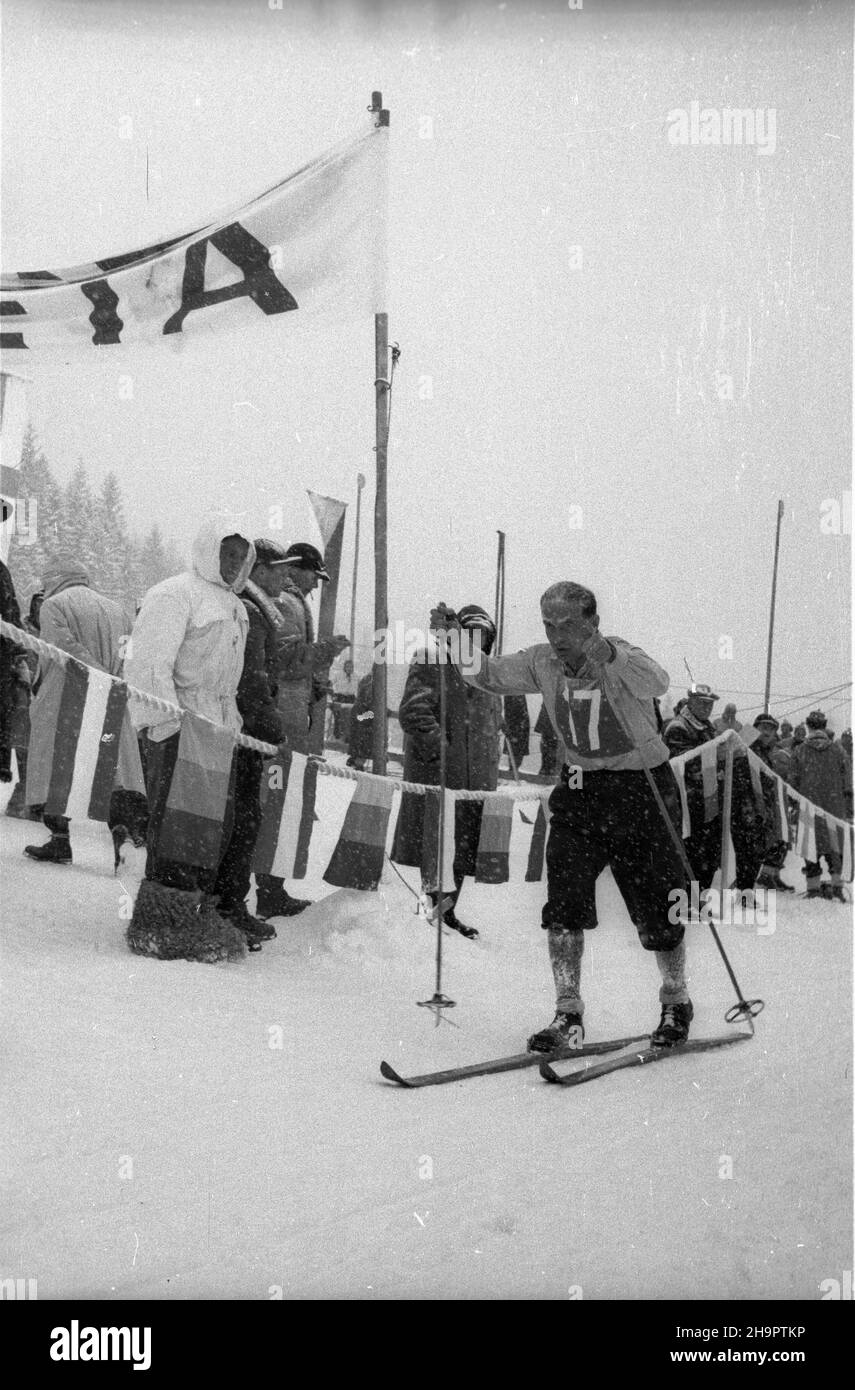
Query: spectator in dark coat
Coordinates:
[821,770]
[9,653]
[687,730]
[548,744]
[516,727]
[362,724]
[25,669]
[472,719]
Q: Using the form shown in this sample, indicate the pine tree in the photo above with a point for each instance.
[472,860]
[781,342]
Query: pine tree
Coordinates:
[152,560]
[78,528]
[36,537]
[113,545]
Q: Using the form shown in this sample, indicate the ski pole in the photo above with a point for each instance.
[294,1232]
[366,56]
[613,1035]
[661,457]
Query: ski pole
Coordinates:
[439,1001]
[744,1008]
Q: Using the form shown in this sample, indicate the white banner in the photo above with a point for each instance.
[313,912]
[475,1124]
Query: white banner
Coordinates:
[314,244]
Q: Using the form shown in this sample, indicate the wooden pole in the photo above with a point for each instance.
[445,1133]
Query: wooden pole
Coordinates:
[360,484]
[772,608]
[500,595]
[381,575]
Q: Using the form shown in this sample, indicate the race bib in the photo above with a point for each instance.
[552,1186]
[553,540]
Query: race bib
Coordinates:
[588,724]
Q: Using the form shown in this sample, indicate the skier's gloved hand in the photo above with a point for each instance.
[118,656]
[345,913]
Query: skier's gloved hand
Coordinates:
[443,617]
[598,651]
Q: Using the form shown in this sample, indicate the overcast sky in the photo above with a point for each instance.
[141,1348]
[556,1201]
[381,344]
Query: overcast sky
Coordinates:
[619,350]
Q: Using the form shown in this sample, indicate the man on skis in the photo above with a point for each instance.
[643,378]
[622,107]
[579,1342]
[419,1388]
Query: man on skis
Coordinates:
[599,693]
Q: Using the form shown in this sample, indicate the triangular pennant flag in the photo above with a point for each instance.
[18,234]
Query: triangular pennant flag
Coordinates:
[430,842]
[537,849]
[679,771]
[709,774]
[86,743]
[493,858]
[357,860]
[328,513]
[191,830]
[288,788]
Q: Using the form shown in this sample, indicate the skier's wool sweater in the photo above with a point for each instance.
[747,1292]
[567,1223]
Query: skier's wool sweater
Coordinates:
[581,709]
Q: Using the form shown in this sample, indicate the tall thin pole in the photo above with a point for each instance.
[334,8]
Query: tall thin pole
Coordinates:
[500,594]
[360,484]
[382,385]
[772,608]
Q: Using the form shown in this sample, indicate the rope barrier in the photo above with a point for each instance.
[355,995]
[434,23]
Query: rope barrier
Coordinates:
[521,793]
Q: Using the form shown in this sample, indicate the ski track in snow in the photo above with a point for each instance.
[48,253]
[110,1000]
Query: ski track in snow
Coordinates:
[156,1145]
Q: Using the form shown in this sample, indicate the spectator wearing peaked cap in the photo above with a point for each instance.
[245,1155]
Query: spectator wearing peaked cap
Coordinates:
[256,701]
[301,677]
[690,728]
[769,850]
[822,771]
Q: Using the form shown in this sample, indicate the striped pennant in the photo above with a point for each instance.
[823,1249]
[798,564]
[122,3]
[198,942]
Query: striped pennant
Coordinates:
[202,785]
[709,773]
[783,819]
[287,815]
[537,849]
[86,743]
[492,863]
[679,771]
[806,834]
[846,851]
[430,842]
[357,860]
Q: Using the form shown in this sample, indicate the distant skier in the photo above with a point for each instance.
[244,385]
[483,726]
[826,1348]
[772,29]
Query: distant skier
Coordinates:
[607,816]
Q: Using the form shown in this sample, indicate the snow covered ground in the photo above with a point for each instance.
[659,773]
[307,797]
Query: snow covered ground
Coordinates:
[191,1131]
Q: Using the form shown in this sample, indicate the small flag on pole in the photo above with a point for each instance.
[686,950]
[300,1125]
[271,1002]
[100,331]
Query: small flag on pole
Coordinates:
[191,831]
[288,789]
[357,860]
[86,743]
[494,842]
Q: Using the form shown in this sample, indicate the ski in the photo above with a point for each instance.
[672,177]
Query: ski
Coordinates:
[514,1063]
[635,1059]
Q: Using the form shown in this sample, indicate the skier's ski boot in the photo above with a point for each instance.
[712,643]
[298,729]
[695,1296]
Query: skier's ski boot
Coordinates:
[272,900]
[565,1030]
[826,890]
[771,878]
[838,894]
[254,929]
[452,920]
[56,851]
[673,1025]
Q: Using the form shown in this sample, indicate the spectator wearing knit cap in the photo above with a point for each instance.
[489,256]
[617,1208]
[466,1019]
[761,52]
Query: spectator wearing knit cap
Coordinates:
[821,770]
